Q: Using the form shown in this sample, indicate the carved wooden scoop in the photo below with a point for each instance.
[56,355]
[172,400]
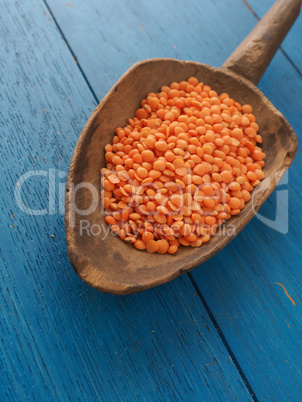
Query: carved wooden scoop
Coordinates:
[106,262]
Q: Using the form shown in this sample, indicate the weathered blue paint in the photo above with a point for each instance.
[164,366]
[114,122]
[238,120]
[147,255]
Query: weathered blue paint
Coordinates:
[62,340]
[214,30]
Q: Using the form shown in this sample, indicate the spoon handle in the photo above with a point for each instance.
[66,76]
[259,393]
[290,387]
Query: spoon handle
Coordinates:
[253,55]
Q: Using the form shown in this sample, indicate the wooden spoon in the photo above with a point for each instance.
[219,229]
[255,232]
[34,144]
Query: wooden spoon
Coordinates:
[106,262]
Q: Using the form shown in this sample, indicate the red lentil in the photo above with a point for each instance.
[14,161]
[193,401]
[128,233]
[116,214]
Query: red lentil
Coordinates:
[184,164]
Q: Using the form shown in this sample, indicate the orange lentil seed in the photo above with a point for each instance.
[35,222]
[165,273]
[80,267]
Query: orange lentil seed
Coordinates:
[185,163]
[151,246]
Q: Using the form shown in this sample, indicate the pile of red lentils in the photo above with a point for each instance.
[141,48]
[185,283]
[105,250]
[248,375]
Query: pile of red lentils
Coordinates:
[183,165]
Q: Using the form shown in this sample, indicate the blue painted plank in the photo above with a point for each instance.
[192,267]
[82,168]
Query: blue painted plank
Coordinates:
[241,284]
[258,321]
[108,37]
[61,339]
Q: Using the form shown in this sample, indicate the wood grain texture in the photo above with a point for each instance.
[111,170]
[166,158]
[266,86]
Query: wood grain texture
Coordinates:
[257,319]
[254,54]
[292,43]
[60,339]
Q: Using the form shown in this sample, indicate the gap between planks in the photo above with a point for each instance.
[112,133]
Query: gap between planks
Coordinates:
[71,51]
[223,339]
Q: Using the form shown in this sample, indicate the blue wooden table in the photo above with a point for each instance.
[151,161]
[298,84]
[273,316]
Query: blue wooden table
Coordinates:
[231,329]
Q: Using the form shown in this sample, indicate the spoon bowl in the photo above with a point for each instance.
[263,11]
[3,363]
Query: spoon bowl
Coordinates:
[102,259]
